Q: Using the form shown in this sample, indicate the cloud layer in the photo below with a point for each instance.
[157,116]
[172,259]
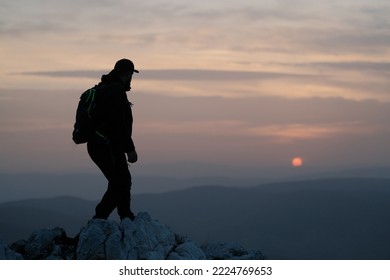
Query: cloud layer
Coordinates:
[344,42]
[220,81]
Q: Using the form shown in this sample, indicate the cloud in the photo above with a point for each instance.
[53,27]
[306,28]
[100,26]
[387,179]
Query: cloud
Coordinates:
[63,74]
[382,67]
[34,125]
[355,80]
[310,45]
[28,19]
[210,127]
[298,132]
[357,76]
[281,133]
[265,111]
[279,118]
[176,74]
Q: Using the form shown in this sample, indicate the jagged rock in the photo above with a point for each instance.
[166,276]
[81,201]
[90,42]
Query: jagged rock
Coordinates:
[141,239]
[230,251]
[46,244]
[186,250]
[7,254]
[100,239]
[41,243]
[150,239]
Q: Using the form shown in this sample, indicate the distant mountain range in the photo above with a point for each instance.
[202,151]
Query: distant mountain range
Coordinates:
[345,218]
[90,186]
[166,178]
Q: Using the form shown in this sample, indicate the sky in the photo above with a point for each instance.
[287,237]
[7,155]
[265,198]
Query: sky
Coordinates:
[241,83]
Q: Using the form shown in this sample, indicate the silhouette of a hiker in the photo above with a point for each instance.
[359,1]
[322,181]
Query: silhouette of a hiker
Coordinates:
[110,155]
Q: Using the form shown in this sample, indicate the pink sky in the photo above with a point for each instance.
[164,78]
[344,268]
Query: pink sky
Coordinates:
[242,83]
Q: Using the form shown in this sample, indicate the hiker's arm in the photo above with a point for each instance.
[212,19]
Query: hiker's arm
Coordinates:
[122,121]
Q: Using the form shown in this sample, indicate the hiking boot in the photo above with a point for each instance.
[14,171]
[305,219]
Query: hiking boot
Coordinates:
[131,216]
[98,217]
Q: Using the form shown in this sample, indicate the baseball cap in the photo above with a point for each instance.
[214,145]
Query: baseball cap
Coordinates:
[125,64]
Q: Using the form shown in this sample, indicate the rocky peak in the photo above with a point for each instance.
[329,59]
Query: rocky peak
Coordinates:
[141,239]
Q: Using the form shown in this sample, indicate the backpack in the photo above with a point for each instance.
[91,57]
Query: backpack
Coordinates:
[86,116]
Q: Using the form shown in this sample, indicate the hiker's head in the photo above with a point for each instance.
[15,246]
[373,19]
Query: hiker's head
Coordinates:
[125,69]
[125,65]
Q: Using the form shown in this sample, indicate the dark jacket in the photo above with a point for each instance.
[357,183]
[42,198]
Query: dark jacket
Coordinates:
[117,118]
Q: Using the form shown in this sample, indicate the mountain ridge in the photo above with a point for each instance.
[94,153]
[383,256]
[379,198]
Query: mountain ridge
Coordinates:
[344,218]
[163,178]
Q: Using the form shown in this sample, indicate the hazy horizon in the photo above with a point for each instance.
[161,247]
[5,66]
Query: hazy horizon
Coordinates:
[163,178]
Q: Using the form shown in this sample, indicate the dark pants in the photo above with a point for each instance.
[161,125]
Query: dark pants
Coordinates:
[114,166]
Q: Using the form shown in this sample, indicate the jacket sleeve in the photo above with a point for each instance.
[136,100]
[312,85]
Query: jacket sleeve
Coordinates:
[128,143]
[121,121]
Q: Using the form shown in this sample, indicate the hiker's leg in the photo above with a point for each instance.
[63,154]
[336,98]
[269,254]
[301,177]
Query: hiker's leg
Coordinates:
[114,166]
[103,158]
[121,185]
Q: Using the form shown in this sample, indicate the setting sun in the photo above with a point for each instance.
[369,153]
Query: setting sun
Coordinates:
[297,162]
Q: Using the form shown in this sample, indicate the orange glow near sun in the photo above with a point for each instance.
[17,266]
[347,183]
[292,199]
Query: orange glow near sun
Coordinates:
[297,162]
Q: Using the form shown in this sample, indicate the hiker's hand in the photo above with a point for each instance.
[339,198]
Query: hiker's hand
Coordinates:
[132,157]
